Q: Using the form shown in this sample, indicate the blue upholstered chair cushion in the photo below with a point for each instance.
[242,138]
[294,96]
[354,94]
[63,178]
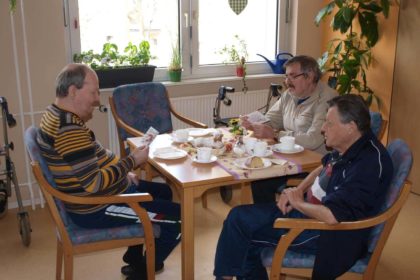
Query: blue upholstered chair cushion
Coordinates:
[77,234]
[142,106]
[402,160]
[375,122]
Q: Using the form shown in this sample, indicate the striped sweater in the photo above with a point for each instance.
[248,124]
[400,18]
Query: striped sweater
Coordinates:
[79,164]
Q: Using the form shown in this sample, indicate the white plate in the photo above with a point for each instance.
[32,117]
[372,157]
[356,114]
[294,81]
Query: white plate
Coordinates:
[279,148]
[199,132]
[240,162]
[212,159]
[169,153]
[175,140]
[268,153]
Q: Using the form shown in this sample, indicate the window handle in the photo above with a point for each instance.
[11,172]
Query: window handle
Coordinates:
[187,23]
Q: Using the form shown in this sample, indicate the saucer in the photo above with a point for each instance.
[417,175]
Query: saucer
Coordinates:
[212,159]
[280,149]
[268,153]
[169,153]
[176,140]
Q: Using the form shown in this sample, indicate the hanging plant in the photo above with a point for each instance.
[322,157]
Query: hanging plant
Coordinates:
[349,56]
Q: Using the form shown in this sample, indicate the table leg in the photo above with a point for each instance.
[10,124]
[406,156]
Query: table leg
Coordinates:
[187,233]
[246,193]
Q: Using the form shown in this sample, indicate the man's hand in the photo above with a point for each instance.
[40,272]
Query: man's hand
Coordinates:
[283,204]
[263,131]
[245,122]
[140,155]
[260,130]
[132,178]
[290,198]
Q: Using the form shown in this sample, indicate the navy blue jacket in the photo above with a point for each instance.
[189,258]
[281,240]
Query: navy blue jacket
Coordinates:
[356,190]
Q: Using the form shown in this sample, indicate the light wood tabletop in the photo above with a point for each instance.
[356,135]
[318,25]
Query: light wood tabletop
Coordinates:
[192,180]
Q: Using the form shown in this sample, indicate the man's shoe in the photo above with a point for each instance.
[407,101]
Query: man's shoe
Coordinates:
[128,270]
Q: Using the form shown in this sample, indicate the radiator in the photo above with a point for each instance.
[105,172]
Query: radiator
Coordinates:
[200,108]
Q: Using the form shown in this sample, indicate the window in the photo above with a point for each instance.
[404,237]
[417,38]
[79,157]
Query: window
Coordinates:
[204,28]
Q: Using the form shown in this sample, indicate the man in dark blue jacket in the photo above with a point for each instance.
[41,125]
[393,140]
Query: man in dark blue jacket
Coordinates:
[349,185]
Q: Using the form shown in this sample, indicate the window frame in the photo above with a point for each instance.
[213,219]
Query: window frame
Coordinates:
[188,23]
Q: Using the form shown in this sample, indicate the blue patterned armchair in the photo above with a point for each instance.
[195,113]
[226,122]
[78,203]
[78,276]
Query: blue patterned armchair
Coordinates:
[377,124]
[285,262]
[136,107]
[72,239]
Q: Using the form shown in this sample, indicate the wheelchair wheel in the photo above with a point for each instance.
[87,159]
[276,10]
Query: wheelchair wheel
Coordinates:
[226,193]
[24,228]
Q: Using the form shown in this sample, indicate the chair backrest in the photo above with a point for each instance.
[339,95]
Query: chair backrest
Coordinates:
[143,105]
[377,124]
[30,139]
[402,160]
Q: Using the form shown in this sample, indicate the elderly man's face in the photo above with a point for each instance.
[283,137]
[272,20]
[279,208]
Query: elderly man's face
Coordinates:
[299,84]
[338,135]
[87,98]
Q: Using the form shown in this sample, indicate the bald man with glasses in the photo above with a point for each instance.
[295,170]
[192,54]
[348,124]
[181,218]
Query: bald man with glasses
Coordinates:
[300,112]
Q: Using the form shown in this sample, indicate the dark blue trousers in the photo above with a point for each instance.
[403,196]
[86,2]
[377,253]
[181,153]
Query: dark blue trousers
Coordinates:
[162,204]
[246,231]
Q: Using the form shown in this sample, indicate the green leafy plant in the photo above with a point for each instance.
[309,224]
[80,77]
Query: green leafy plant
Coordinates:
[349,56]
[111,58]
[236,52]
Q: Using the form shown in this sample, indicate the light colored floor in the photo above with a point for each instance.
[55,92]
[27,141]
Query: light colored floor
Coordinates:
[399,259]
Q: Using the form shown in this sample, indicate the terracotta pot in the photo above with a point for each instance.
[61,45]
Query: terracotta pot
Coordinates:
[240,71]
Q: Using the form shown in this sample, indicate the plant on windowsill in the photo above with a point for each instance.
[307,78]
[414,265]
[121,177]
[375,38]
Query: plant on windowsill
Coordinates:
[175,65]
[114,69]
[237,54]
[349,56]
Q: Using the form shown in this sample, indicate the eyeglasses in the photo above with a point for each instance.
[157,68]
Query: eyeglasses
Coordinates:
[294,77]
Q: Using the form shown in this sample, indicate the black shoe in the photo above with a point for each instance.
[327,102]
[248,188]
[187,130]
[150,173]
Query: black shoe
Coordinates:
[128,270]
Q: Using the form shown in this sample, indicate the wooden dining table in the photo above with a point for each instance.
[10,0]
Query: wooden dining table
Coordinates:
[193,179]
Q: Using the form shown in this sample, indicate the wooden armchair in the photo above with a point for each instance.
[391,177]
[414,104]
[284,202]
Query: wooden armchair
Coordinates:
[73,240]
[284,262]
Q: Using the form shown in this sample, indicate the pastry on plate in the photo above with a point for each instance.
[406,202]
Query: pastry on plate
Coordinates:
[254,162]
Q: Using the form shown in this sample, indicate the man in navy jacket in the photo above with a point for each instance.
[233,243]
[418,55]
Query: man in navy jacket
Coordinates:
[349,185]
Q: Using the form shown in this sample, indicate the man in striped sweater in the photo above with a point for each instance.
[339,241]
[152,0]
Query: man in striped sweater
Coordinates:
[81,166]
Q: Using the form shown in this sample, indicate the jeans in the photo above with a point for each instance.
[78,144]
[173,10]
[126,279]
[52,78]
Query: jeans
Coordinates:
[246,231]
[162,204]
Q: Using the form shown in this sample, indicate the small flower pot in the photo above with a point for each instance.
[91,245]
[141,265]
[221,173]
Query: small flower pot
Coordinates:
[240,71]
[175,75]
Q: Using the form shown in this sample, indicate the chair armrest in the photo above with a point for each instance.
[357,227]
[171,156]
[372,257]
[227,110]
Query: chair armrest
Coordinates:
[187,120]
[119,198]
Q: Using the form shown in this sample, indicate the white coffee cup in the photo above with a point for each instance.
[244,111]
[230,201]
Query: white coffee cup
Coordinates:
[287,142]
[250,144]
[181,135]
[204,154]
[260,148]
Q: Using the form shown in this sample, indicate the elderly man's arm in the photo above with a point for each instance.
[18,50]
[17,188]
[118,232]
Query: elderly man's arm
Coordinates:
[95,167]
[315,211]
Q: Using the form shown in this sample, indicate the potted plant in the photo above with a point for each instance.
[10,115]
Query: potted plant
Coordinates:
[237,53]
[114,69]
[349,56]
[175,65]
